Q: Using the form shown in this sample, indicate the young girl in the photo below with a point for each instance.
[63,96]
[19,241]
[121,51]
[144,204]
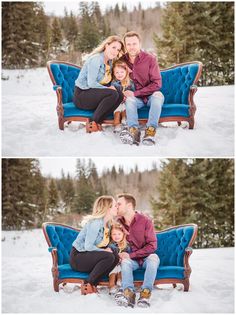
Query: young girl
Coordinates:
[122,82]
[118,244]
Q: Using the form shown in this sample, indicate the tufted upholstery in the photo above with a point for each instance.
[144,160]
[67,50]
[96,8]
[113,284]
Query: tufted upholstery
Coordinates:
[65,76]
[171,249]
[61,238]
[172,245]
[176,83]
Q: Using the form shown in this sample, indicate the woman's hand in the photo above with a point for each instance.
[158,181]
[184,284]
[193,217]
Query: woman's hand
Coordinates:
[108,249]
[124,255]
[112,87]
[129,93]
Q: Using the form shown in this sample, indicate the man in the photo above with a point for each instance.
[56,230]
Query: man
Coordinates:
[143,242]
[147,80]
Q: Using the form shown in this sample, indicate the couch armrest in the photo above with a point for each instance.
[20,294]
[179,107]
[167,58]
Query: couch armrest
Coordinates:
[187,268]
[54,269]
[55,87]
[60,109]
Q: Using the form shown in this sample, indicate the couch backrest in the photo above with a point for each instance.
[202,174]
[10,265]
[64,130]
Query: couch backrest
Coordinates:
[171,243]
[60,237]
[64,75]
[176,82]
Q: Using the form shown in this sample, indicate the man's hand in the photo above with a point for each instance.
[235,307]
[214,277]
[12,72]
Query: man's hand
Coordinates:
[129,93]
[124,256]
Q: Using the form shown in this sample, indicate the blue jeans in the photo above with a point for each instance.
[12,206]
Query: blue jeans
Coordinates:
[151,264]
[155,102]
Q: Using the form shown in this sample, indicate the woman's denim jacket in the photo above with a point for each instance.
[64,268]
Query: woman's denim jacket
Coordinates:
[92,72]
[90,235]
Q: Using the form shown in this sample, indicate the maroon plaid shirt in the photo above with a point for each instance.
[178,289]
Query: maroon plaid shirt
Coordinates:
[141,237]
[145,74]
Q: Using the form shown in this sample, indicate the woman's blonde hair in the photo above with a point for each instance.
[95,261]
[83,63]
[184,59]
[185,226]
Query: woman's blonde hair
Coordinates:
[117,226]
[121,64]
[100,208]
[109,40]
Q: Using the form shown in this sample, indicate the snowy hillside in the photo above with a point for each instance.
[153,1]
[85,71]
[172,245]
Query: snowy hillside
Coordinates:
[27,283]
[29,124]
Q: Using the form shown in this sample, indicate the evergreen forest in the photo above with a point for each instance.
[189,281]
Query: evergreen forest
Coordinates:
[175,32]
[181,191]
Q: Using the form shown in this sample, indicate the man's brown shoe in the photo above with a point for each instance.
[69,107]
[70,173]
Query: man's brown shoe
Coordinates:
[149,136]
[130,136]
[144,298]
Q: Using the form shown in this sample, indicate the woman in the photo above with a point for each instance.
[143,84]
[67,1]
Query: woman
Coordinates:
[92,90]
[89,250]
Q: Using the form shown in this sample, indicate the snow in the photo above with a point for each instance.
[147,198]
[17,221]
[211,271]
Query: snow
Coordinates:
[27,283]
[29,125]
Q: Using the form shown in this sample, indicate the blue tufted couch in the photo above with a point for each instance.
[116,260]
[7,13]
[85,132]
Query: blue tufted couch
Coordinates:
[174,249]
[178,86]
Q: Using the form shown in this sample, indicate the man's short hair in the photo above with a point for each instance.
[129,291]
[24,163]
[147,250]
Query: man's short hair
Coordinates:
[128,198]
[132,34]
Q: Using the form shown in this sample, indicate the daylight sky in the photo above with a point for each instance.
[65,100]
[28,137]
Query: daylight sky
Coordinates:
[57,7]
[53,166]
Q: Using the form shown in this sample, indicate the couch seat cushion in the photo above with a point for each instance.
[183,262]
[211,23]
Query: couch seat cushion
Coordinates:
[175,272]
[168,110]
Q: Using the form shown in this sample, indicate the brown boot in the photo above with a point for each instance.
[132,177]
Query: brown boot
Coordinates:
[87,288]
[117,118]
[93,127]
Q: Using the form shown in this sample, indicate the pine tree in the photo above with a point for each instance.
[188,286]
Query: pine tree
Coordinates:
[71,29]
[117,11]
[198,191]
[20,40]
[67,191]
[53,198]
[85,194]
[199,31]
[42,29]
[56,35]
[89,35]
[23,189]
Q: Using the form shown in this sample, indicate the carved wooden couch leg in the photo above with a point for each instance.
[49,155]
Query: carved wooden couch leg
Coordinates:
[61,123]
[191,123]
[56,285]
[186,285]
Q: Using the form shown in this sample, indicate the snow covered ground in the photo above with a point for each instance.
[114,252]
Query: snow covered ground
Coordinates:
[29,125]
[27,283]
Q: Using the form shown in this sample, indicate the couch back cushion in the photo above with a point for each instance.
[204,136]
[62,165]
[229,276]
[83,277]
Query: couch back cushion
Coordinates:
[62,238]
[176,83]
[65,76]
[172,245]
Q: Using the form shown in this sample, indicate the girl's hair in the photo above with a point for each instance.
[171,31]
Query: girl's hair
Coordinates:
[117,226]
[109,40]
[121,64]
[100,207]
